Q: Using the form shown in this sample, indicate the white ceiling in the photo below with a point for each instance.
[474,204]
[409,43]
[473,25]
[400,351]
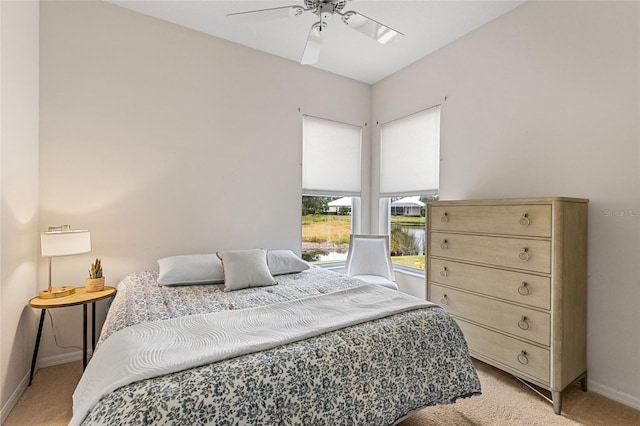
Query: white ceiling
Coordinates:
[427,26]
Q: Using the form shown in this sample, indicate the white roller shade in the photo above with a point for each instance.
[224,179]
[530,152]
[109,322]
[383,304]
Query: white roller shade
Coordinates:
[331,157]
[410,154]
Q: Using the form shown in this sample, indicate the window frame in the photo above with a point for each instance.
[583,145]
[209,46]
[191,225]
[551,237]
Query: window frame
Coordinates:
[327,189]
[384,200]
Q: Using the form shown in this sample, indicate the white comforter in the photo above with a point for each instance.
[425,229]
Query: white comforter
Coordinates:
[151,349]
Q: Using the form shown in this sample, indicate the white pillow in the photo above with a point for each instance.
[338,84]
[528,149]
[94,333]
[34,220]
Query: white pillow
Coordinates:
[285,262]
[245,269]
[190,269]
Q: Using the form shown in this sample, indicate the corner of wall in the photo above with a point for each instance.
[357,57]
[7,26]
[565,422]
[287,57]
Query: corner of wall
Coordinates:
[19,115]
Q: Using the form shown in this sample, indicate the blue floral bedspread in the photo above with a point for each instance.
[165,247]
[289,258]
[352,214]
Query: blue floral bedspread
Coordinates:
[373,373]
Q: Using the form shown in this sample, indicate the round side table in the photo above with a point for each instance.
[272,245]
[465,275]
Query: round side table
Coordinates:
[80,297]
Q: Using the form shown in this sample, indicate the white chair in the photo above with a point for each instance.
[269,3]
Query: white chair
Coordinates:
[369,259]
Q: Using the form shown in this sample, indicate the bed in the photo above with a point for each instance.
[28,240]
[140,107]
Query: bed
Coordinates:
[367,372]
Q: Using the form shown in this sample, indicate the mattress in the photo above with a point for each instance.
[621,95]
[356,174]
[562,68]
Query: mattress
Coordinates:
[371,373]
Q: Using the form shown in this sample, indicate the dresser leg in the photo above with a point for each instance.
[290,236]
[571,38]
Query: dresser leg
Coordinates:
[583,382]
[557,401]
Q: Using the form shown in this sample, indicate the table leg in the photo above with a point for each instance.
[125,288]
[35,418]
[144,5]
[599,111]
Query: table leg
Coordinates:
[35,350]
[93,327]
[84,336]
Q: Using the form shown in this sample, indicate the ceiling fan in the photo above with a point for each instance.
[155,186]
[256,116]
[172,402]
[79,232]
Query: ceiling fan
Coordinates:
[324,9]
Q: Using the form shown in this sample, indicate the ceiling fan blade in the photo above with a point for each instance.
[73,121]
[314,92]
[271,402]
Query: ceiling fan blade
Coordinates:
[268,14]
[371,28]
[314,44]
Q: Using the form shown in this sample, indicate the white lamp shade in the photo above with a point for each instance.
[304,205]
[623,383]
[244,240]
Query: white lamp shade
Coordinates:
[64,243]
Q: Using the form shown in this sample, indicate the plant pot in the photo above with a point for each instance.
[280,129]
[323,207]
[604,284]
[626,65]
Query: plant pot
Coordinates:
[94,284]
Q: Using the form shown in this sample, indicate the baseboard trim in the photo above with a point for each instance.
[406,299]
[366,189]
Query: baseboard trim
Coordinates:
[614,394]
[51,361]
[13,400]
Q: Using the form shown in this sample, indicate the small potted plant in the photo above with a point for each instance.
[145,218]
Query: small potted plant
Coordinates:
[95,282]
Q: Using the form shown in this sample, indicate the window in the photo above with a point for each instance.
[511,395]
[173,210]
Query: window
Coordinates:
[331,187]
[327,222]
[409,177]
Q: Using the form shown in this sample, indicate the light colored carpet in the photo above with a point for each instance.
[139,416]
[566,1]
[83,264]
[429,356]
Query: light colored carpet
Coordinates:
[505,401]
[48,400]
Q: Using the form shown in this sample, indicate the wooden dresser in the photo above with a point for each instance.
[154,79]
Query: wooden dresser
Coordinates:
[513,273]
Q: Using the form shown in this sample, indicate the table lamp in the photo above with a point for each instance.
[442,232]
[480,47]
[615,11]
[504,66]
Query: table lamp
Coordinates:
[62,241]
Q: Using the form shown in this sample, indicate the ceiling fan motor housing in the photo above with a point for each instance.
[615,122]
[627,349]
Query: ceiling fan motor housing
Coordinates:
[325,8]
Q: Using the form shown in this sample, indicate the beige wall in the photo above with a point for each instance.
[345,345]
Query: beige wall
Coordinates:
[544,101]
[19,194]
[161,141]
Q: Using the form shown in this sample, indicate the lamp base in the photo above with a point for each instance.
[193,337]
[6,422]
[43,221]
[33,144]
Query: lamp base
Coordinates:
[57,292]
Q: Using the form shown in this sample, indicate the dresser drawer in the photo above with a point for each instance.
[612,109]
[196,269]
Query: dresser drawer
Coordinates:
[519,253]
[532,290]
[513,319]
[526,220]
[526,358]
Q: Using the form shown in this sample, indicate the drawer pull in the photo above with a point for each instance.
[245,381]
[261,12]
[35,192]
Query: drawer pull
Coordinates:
[524,220]
[443,300]
[444,245]
[444,218]
[524,255]
[443,272]
[523,323]
[524,289]
[522,358]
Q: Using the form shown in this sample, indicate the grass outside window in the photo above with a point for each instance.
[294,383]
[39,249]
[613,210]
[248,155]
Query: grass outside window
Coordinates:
[329,233]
